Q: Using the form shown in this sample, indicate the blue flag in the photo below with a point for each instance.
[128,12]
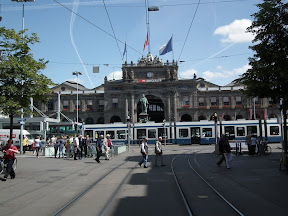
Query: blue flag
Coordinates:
[124,50]
[166,48]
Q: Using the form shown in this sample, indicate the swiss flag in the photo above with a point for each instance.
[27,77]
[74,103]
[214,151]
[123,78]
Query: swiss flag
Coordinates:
[146,42]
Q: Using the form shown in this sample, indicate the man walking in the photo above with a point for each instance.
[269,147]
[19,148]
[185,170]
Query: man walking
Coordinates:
[76,146]
[144,152]
[158,151]
[99,144]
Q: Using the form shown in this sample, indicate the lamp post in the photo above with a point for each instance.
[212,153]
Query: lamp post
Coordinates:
[164,132]
[22,121]
[77,73]
[129,131]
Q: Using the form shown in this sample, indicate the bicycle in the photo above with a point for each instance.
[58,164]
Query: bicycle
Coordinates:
[3,165]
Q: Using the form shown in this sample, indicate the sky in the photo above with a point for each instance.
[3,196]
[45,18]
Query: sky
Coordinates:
[209,36]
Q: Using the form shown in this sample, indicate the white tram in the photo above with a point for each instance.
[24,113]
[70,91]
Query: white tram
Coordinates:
[202,132]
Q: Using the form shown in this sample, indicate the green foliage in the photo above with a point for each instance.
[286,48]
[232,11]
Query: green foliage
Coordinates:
[20,74]
[268,75]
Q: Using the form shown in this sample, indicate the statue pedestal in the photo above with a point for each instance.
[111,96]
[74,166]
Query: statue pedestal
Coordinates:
[143,117]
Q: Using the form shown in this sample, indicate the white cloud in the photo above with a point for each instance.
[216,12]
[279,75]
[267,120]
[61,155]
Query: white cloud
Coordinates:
[116,75]
[235,32]
[225,74]
[188,74]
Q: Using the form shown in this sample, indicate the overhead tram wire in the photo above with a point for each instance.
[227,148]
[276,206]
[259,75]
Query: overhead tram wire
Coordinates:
[112,29]
[189,30]
[96,26]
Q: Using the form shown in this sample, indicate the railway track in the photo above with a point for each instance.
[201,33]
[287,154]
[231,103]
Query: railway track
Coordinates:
[198,195]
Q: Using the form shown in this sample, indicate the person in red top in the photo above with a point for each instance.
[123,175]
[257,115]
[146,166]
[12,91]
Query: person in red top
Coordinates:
[9,157]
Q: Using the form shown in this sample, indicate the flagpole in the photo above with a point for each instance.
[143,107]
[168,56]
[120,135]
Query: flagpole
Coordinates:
[172,48]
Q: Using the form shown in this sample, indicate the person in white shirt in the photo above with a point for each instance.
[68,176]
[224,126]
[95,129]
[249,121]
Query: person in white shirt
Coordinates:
[107,145]
[144,152]
[76,146]
[158,151]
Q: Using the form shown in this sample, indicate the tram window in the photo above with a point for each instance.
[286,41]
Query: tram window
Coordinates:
[152,133]
[229,131]
[141,133]
[162,133]
[98,133]
[274,130]
[240,131]
[251,129]
[207,132]
[183,133]
[120,134]
[111,133]
[88,132]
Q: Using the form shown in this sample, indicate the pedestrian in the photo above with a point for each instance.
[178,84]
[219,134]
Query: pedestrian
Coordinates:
[221,149]
[107,145]
[99,144]
[89,145]
[37,145]
[76,146]
[43,145]
[227,152]
[158,151]
[53,140]
[81,142]
[144,152]
[25,144]
[253,144]
[85,146]
[61,147]
[10,150]
[248,143]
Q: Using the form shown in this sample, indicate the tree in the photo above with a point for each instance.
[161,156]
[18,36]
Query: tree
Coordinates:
[20,74]
[268,75]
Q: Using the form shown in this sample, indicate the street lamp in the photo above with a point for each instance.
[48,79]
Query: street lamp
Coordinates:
[77,73]
[129,131]
[164,131]
[22,121]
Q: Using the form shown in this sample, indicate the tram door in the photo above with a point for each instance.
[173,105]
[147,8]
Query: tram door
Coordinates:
[195,135]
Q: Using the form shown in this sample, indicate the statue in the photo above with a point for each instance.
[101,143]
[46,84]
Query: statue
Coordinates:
[144,104]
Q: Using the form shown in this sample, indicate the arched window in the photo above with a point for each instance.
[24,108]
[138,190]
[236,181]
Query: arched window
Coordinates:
[100,120]
[186,118]
[89,121]
[115,119]
[201,117]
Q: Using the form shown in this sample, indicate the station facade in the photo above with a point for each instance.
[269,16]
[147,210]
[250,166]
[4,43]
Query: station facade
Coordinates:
[169,97]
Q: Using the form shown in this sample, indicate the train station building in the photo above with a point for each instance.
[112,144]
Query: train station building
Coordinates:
[169,97]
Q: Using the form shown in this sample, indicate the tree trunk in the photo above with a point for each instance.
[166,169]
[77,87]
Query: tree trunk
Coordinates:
[11,126]
[285,130]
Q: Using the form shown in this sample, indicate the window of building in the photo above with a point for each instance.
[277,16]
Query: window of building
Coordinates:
[186,101]
[213,101]
[183,133]
[154,108]
[226,101]
[115,102]
[62,88]
[201,101]
[101,104]
[207,132]
[89,104]
[238,100]
[50,105]
[256,100]
[65,105]
[79,105]
[271,102]
[152,133]
[274,130]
